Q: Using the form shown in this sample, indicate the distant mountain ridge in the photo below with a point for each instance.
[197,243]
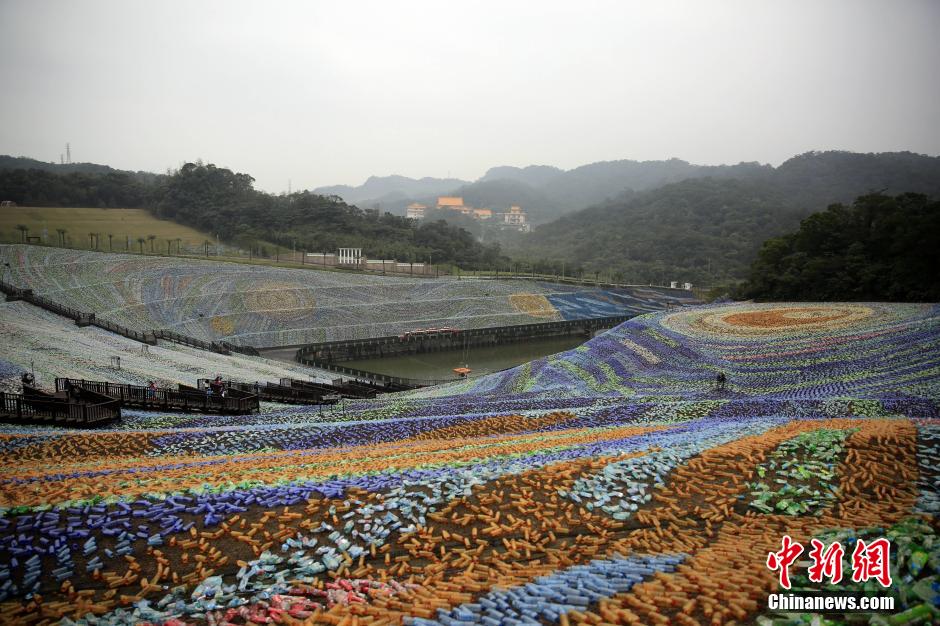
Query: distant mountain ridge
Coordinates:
[391,187]
[535,175]
[708,229]
[545,192]
[8,162]
[650,221]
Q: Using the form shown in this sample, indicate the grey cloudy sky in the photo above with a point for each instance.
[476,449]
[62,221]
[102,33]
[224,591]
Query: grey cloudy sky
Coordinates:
[332,92]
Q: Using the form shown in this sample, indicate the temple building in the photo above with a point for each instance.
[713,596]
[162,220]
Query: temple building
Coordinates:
[450,202]
[514,218]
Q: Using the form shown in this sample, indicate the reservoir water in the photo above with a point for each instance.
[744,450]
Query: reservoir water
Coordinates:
[481,360]
[440,365]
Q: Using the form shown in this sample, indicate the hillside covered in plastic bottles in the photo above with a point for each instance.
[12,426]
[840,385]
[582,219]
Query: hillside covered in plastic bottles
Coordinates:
[614,483]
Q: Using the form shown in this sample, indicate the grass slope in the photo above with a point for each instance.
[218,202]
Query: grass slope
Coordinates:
[123,224]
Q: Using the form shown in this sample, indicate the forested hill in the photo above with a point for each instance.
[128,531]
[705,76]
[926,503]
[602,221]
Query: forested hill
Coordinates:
[708,230]
[225,203]
[697,230]
[816,179]
[8,162]
[705,228]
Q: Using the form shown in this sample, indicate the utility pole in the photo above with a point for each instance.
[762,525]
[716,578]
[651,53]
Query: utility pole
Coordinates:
[68,153]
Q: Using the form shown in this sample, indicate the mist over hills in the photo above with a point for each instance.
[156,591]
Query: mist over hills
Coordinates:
[649,221]
[534,175]
[813,179]
[544,191]
[391,189]
[708,229]
[656,221]
[8,162]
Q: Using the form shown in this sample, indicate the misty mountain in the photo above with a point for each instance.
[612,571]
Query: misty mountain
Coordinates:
[547,192]
[590,184]
[533,175]
[391,189]
[709,229]
[817,179]
[502,193]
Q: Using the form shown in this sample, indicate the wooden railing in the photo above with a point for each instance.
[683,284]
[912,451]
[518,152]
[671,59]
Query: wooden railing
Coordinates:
[35,406]
[186,340]
[184,400]
[83,318]
[274,392]
[249,350]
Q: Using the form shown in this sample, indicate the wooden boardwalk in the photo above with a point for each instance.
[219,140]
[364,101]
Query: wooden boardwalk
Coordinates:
[292,391]
[185,399]
[82,408]
[284,394]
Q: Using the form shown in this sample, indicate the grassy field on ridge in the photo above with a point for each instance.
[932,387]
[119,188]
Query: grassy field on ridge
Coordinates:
[123,224]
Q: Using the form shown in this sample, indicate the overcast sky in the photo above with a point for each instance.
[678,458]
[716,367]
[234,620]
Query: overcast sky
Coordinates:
[332,92]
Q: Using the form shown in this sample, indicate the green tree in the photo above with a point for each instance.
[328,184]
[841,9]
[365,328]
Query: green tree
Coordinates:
[879,248]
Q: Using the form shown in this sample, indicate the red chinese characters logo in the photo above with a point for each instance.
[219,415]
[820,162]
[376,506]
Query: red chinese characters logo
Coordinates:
[782,560]
[827,562]
[870,560]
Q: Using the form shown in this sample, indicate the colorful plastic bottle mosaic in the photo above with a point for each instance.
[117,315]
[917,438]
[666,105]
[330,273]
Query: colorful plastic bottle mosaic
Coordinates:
[617,483]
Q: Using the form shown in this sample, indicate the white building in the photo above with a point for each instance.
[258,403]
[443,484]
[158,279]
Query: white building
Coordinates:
[349,256]
[415,211]
[516,218]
